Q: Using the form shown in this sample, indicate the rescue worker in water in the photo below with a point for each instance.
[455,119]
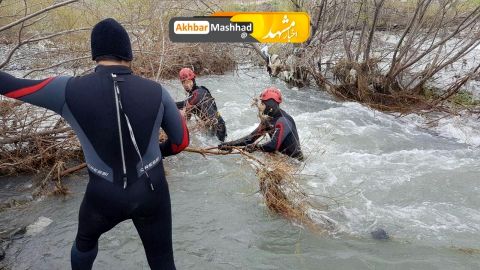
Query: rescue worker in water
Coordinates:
[278,124]
[201,103]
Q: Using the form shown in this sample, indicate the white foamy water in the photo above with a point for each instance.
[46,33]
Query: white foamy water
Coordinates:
[39,225]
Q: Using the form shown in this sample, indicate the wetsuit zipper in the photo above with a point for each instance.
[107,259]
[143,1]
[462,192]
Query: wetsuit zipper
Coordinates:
[119,124]
[132,135]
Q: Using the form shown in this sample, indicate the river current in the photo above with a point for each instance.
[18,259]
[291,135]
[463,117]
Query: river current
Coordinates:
[418,184]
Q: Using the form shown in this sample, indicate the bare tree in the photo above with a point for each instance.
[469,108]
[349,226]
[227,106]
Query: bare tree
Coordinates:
[25,36]
[33,15]
[383,52]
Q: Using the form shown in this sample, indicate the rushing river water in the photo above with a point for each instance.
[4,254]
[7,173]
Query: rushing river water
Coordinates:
[422,188]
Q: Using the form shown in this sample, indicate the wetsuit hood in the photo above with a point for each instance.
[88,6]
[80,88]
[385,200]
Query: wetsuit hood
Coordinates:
[272,108]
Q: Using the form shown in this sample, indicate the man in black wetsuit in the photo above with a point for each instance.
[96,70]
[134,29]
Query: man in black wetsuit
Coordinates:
[278,124]
[201,103]
[116,116]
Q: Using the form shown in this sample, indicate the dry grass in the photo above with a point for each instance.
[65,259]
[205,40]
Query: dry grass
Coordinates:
[284,196]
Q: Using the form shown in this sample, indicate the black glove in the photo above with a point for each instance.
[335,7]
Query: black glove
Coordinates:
[250,148]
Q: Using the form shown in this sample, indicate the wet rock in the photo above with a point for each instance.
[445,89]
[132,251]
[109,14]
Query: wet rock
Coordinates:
[380,234]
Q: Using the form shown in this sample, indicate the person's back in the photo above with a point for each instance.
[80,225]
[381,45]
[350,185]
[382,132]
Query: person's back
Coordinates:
[117,117]
[90,108]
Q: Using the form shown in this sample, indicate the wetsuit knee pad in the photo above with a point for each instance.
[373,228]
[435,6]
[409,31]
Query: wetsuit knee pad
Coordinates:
[83,260]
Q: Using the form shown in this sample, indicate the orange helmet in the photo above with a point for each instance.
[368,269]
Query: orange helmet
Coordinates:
[186,74]
[271,93]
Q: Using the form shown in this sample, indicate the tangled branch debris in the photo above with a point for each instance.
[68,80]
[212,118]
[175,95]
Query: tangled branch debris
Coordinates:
[282,193]
[44,144]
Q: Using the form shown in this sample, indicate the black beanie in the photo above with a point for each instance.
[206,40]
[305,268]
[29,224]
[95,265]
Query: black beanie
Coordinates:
[109,38]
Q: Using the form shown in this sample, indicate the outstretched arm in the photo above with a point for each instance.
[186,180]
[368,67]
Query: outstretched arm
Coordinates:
[48,93]
[174,125]
[193,99]
[250,138]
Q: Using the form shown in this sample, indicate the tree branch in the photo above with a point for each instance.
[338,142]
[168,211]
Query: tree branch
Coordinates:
[19,21]
[24,137]
[378,7]
[56,65]
[459,29]
[31,40]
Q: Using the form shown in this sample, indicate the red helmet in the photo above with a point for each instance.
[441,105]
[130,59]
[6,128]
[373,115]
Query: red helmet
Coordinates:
[271,93]
[186,74]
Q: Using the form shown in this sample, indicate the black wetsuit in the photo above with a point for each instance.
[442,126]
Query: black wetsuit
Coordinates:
[119,188]
[202,104]
[282,130]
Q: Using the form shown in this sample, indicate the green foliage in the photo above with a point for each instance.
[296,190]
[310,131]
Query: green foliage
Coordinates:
[465,98]
[462,98]
[431,93]
[467,5]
